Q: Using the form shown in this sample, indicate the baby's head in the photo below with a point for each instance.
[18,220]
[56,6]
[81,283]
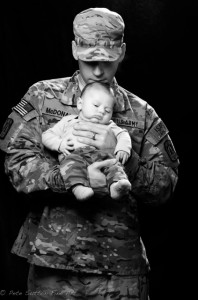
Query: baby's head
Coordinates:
[96,103]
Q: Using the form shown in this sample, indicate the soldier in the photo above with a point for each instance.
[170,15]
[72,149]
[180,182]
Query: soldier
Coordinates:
[90,249]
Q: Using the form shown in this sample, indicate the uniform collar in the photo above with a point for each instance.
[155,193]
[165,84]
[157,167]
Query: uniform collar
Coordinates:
[73,91]
[121,98]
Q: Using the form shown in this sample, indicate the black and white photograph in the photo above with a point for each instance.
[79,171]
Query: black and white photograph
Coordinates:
[97,149]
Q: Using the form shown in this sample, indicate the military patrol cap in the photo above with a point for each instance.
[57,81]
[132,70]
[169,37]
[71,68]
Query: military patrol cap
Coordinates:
[99,34]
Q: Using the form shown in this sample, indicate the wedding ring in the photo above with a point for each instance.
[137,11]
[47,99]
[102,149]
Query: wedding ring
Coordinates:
[94,136]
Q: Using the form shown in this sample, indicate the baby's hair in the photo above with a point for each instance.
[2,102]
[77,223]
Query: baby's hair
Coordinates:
[106,86]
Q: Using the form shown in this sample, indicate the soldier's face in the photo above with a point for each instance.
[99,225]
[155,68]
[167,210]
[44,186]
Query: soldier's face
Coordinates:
[103,71]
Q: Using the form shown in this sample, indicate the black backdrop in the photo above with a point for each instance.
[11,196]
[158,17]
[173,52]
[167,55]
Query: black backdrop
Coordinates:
[159,67]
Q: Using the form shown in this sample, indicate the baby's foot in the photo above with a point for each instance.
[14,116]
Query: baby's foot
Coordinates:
[120,188]
[82,192]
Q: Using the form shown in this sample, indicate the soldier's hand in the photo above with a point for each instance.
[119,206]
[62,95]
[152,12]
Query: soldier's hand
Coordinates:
[97,135]
[96,177]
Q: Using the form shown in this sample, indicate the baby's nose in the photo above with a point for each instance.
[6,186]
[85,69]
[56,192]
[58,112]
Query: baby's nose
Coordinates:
[101,110]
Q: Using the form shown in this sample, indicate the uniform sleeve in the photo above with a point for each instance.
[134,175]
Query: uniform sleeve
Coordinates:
[154,171]
[28,167]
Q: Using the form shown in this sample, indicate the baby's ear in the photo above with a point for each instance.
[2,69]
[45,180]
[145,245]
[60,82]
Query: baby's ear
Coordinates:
[79,103]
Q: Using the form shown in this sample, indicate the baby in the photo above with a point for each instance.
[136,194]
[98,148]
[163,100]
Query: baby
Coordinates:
[95,105]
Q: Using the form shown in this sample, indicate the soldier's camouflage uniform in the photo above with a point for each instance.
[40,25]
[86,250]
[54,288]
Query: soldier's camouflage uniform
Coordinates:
[100,236]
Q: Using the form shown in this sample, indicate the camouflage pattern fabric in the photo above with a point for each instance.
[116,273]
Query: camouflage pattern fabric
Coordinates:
[58,285]
[98,34]
[74,167]
[97,237]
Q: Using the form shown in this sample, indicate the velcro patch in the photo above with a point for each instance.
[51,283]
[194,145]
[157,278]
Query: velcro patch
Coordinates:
[23,107]
[26,110]
[6,127]
[128,122]
[168,146]
[54,108]
[10,129]
[157,133]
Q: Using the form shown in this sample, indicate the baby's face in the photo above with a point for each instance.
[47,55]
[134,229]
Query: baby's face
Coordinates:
[97,105]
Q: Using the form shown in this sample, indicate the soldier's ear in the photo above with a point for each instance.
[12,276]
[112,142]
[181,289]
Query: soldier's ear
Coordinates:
[74,50]
[79,103]
[122,55]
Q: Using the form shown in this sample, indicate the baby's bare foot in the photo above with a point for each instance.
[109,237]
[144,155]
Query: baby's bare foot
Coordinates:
[82,192]
[120,188]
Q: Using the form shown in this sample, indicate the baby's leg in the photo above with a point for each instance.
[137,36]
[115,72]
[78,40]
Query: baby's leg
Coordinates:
[120,188]
[73,169]
[117,181]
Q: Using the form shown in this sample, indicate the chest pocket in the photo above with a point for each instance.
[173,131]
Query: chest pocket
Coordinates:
[135,129]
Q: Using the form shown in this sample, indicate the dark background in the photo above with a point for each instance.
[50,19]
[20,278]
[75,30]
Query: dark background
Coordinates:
[160,67]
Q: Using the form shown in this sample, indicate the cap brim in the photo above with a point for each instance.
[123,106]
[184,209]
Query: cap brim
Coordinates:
[98,53]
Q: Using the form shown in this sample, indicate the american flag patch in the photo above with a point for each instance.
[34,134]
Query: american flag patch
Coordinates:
[23,107]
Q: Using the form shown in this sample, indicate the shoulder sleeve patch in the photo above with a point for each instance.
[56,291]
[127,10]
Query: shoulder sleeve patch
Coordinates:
[6,127]
[11,126]
[26,110]
[170,150]
[157,132]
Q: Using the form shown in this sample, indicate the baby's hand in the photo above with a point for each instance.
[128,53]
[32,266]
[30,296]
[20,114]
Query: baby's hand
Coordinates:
[66,146]
[122,156]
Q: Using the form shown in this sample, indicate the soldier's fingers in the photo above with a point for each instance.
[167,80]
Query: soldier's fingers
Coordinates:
[90,142]
[105,163]
[70,147]
[70,143]
[88,126]
[83,133]
[66,152]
